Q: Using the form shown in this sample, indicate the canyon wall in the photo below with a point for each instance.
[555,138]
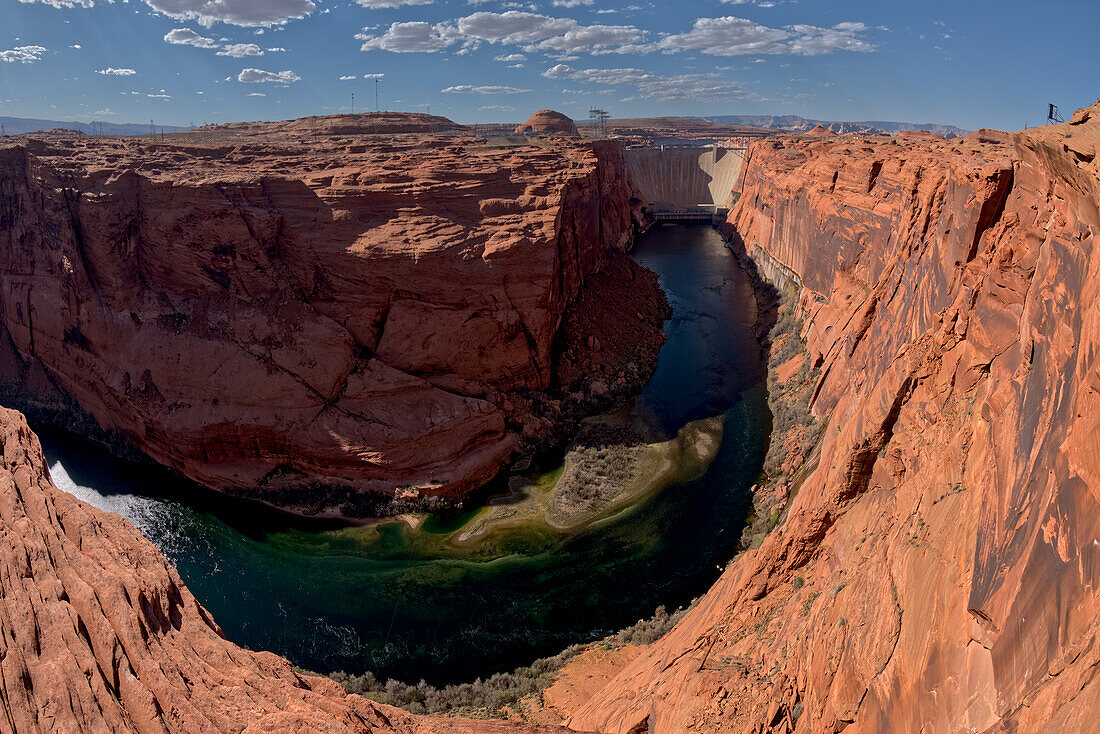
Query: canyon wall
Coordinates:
[306,317]
[98,633]
[939,571]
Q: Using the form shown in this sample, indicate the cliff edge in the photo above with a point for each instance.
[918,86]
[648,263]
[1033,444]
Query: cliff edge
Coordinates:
[306,320]
[940,569]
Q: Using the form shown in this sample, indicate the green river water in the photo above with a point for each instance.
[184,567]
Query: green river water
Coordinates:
[413,604]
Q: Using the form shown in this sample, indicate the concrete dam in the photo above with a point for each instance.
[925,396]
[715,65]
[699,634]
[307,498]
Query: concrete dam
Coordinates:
[686,183]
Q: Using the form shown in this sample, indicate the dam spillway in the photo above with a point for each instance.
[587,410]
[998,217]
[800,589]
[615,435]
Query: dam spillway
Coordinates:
[686,183]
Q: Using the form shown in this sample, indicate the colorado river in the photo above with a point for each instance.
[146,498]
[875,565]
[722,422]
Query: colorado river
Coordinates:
[406,604]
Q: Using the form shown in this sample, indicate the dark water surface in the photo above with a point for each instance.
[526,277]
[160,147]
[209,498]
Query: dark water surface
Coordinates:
[384,599]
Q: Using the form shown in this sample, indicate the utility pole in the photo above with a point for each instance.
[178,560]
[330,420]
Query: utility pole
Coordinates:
[353,103]
[376,107]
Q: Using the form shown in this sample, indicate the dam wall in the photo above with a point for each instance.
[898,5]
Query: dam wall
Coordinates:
[687,180]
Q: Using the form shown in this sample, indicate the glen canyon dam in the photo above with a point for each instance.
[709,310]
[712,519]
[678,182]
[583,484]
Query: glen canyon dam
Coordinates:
[412,366]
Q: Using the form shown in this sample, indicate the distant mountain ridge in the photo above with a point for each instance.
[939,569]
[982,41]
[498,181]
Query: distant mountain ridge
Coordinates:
[797,123]
[20,125]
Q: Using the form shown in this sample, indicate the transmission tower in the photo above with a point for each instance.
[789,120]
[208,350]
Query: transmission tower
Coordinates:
[376,107]
[1053,115]
[599,120]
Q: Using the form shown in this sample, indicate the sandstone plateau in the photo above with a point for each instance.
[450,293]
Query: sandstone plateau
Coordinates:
[303,312]
[939,571]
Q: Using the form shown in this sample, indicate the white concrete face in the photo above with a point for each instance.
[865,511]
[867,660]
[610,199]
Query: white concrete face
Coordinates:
[686,177]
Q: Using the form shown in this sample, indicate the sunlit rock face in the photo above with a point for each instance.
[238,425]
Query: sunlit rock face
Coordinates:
[100,634]
[940,570]
[303,313]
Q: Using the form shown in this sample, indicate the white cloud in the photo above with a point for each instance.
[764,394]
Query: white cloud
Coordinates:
[497,108]
[407,37]
[512,27]
[510,58]
[105,111]
[240,50]
[208,12]
[348,78]
[372,4]
[188,37]
[374,76]
[572,3]
[23,54]
[256,94]
[732,36]
[258,76]
[111,71]
[596,38]
[159,96]
[532,31]
[235,12]
[486,89]
[648,85]
[64,4]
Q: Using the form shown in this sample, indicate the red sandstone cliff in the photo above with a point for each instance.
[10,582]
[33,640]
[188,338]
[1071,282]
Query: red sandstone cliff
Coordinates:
[98,633]
[940,570]
[272,316]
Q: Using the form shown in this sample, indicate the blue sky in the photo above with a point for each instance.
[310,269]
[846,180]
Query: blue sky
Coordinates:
[972,64]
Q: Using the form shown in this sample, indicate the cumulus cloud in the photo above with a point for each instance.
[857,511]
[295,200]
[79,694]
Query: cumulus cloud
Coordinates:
[407,37]
[188,37]
[533,32]
[64,4]
[651,86]
[374,76]
[111,71]
[258,76]
[510,58]
[596,38]
[732,36]
[235,12]
[391,3]
[486,89]
[240,50]
[23,54]
[512,27]
[348,77]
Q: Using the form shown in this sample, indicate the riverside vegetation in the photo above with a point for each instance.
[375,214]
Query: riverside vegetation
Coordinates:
[500,695]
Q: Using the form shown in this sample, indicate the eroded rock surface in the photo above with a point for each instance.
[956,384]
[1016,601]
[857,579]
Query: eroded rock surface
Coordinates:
[549,122]
[940,570]
[306,318]
[98,633]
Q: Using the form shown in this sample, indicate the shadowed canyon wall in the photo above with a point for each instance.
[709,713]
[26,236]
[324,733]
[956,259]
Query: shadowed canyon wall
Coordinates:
[99,634]
[940,570]
[304,317]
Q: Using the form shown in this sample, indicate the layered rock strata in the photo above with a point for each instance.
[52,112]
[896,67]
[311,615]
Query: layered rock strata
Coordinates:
[939,571]
[306,321]
[98,633]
